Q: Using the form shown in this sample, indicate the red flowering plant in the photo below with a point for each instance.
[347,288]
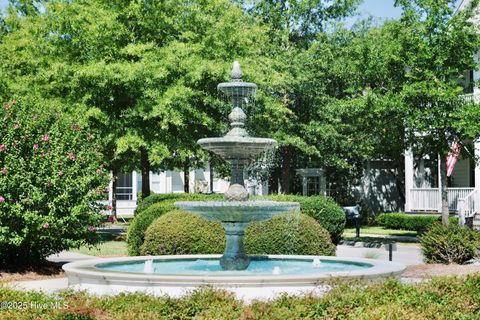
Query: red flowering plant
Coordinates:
[49,174]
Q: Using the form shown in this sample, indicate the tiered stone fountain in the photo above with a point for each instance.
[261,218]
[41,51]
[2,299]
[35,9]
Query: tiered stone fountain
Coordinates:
[239,149]
[265,277]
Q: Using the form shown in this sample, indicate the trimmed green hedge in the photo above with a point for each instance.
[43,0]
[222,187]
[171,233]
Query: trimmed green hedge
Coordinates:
[142,205]
[441,298]
[150,209]
[452,244]
[288,234]
[323,209]
[180,232]
[402,221]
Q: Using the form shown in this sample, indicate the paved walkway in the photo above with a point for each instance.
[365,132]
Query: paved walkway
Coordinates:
[383,236]
[406,254]
[54,284]
[67,256]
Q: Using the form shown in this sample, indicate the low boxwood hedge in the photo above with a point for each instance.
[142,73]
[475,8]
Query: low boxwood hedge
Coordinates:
[441,298]
[402,221]
[179,232]
[153,207]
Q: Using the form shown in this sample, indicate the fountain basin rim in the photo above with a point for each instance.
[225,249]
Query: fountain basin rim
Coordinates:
[85,269]
[236,84]
[250,204]
[237,140]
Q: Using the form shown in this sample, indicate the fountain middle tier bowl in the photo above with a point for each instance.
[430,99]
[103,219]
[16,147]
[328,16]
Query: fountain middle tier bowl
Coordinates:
[235,147]
[237,211]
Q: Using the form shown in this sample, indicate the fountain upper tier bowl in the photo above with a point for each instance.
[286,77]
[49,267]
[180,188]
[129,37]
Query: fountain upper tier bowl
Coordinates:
[237,211]
[235,147]
[237,88]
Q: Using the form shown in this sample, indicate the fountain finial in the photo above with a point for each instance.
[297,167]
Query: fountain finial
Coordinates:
[237,74]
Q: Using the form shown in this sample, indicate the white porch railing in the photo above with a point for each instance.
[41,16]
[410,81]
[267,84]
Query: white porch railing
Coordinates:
[470,205]
[428,199]
[471,97]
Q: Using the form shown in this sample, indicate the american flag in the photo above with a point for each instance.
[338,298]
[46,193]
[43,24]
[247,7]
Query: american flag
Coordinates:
[453,156]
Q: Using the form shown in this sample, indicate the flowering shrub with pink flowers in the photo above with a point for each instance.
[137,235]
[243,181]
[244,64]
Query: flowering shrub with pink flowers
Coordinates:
[51,177]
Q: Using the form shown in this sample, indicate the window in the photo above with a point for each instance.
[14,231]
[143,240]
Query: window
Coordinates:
[313,186]
[124,186]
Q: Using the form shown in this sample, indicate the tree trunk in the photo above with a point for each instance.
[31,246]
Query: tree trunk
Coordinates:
[273,181]
[286,174]
[186,185]
[443,191]
[145,168]
[114,194]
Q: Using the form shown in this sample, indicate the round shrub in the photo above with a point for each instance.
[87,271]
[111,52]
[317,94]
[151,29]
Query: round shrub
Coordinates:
[288,234]
[323,209]
[150,209]
[452,244]
[141,222]
[50,178]
[179,232]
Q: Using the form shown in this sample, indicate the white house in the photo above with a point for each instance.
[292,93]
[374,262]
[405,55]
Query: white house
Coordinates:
[200,181]
[422,179]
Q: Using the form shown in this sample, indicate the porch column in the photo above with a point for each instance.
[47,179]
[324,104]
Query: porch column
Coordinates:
[304,185]
[439,164]
[168,182]
[110,190]
[476,146]
[134,185]
[408,179]
[191,180]
[323,184]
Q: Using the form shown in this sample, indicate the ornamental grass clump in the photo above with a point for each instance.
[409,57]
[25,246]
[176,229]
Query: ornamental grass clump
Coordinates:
[452,244]
[51,175]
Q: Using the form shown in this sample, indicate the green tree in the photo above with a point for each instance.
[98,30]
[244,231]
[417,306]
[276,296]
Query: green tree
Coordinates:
[143,74]
[438,45]
[293,28]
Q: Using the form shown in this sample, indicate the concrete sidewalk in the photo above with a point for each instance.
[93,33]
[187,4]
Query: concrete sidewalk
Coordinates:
[68,256]
[406,254]
[54,284]
[47,285]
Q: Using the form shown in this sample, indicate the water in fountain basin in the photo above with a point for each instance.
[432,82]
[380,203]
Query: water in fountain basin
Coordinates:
[211,267]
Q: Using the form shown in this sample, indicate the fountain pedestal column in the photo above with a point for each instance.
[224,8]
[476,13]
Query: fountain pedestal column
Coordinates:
[234,256]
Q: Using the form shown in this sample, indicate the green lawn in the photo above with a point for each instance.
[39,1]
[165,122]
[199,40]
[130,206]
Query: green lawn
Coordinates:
[105,249]
[375,230]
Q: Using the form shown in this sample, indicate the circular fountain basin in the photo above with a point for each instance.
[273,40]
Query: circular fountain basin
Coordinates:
[235,147]
[237,211]
[266,277]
